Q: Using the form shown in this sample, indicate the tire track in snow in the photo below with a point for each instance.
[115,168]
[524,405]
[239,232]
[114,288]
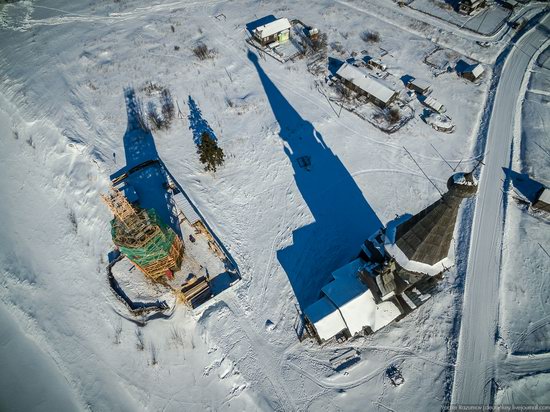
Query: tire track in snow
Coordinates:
[258,345]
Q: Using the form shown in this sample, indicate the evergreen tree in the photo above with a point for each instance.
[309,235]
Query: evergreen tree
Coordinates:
[210,154]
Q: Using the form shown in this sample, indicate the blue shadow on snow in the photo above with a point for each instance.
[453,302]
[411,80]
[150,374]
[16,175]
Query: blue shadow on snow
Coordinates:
[145,173]
[198,124]
[343,218]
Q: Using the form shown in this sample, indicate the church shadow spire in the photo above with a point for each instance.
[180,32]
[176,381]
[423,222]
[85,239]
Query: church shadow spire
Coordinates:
[342,217]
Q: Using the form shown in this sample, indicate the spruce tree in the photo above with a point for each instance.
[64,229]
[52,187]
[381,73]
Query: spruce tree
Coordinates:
[210,154]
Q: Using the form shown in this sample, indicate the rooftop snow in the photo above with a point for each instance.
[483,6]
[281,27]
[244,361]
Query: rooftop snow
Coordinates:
[272,28]
[326,318]
[434,104]
[545,196]
[362,80]
[185,207]
[356,302]
[421,84]
[477,70]
[350,269]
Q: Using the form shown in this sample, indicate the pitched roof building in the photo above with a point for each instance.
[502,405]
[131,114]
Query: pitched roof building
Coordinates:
[362,83]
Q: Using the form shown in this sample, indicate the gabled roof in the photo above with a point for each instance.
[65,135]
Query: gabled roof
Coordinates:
[476,69]
[357,305]
[421,84]
[433,103]
[272,28]
[366,83]
[326,318]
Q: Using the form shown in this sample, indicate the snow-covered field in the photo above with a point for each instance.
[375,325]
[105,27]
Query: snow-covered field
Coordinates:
[63,69]
[525,297]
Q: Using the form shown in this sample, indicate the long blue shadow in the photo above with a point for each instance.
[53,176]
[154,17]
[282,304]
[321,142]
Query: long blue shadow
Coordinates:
[198,124]
[526,186]
[145,173]
[342,216]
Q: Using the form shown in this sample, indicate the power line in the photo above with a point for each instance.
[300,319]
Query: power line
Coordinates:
[416,163]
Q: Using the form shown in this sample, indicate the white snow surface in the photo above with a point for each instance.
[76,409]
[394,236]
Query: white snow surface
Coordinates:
[63,69]
[476,366]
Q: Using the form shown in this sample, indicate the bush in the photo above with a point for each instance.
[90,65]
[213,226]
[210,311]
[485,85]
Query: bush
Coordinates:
[168,110]
[202,51]
[393,116]
[344,91]
[210,154]
[370,36]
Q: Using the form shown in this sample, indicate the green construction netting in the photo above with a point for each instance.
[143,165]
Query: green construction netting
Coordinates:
[157,248]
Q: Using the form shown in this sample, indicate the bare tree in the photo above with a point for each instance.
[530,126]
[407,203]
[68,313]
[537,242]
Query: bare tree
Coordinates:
[202,51]
[118,332]
[154,118]
[154,354]
[140,345]
[370,36]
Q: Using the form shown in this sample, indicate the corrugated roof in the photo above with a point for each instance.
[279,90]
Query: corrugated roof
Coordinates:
[366,83]
[185,207]
[272,28]
[434,104]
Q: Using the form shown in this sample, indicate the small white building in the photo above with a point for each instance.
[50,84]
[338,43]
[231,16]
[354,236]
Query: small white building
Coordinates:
[277,31]
[360,81]
[348,306]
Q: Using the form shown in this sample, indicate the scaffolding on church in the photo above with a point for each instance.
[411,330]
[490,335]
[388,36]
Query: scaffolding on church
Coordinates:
[140,235]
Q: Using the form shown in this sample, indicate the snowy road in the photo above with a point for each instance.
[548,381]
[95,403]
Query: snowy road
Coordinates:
[476,351]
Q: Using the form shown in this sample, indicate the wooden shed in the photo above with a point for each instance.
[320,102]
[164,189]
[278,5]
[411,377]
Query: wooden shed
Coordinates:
[360,82]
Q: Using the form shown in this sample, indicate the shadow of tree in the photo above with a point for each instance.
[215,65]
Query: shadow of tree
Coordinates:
[145,173]
[197,124]
[342,216]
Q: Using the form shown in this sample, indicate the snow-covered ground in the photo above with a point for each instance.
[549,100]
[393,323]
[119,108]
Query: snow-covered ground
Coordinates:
[479,328]
[525,297]
[63,69]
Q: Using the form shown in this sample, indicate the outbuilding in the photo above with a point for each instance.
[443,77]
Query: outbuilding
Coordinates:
[362,83]
[376,64]
[510,4]
[348,306]
[419,86]
[473,72]
[470,7]
[433,104]
[542,200]
[277,31]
